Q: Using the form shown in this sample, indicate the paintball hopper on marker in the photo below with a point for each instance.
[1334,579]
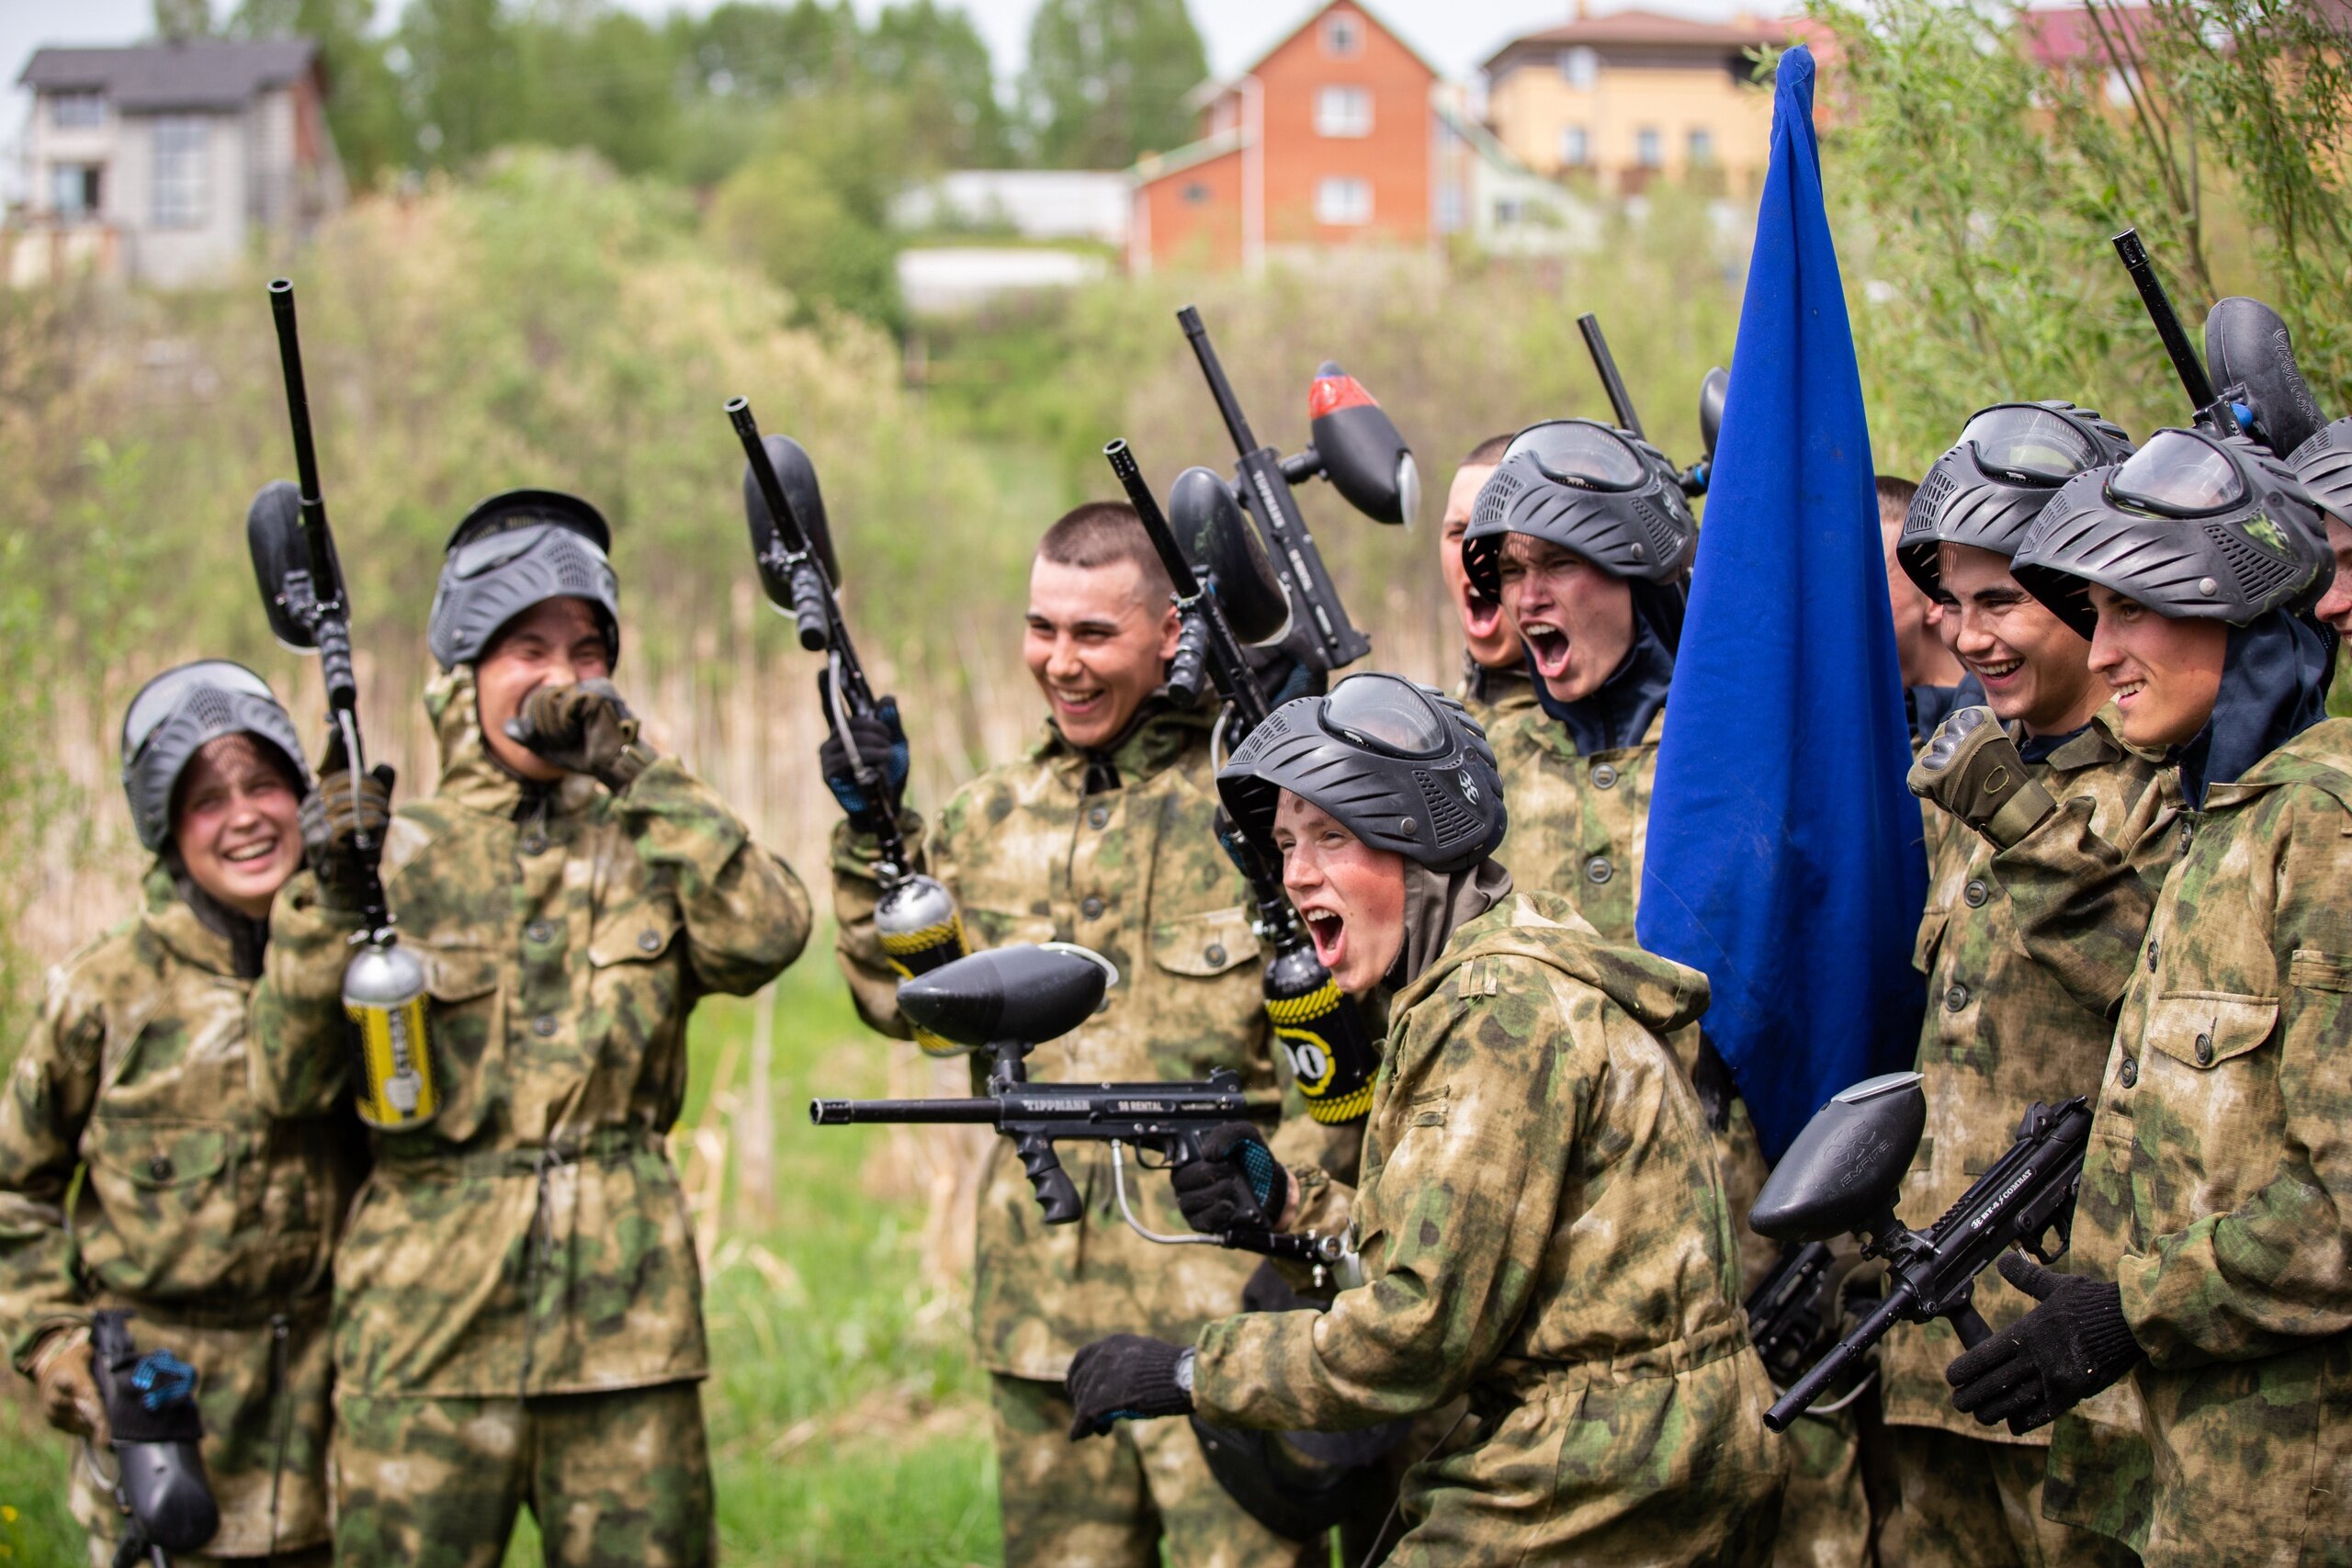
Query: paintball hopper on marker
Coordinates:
[156,1435]
[2262,393]
[1842,1176]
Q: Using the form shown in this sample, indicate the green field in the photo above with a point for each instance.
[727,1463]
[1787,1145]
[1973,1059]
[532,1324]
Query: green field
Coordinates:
[849,1422]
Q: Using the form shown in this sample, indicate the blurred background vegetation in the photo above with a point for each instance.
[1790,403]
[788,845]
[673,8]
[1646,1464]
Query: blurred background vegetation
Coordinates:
[585,230]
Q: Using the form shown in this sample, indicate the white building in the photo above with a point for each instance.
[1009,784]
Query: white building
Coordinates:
[165,164]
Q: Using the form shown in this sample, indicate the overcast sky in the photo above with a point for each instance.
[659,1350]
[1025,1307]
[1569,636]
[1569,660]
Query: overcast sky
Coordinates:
[1454,35]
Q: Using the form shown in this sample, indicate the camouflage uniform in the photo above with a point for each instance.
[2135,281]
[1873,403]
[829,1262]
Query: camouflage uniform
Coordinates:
[1134,872]
[2218,1174]
[208,1219]
[521,1273]
[1578,826]
[1493,694]
[2000,1033]
[1542,1227]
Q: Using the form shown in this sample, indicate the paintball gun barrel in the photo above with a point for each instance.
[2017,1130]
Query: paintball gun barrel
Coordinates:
[1842,1174]
[2211,410]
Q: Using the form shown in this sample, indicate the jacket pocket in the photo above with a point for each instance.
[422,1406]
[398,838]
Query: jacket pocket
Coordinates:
[2204,1029]
[1204,944]
[1930,941]
[1202,996]
[167,1190]
[466,1039]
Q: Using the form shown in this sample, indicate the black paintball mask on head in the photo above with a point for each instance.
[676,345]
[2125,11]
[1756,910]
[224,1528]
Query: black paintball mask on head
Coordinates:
[180,712]
[1609,496]
[2324,463]
[516,552]
[1399,765]
[2198,526]
[1988,488]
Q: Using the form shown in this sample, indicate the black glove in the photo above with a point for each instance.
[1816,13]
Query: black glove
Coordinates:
[1126,1378]
[1974,771]
[881,742]
[1235,1185]
[585,728]
[2069,1347]
[334,819]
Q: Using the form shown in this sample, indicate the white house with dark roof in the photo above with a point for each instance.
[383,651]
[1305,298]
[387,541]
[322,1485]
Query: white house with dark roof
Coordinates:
[165,164]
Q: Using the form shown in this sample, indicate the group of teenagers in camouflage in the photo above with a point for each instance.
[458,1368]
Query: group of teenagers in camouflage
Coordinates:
[404,1309]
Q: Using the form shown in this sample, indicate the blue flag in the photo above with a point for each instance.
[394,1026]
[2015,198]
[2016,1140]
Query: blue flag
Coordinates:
[1784,853]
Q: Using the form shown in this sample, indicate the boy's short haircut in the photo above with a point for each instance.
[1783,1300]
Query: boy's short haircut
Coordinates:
[1490,452]
[1103,533]
[1895,493]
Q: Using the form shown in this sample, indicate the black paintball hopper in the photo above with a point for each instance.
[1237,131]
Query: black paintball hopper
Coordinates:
[1024,994]
[1713,390]
[2251,357]
[1842,1174]
[1364,455]
[1218,542]
[275,539]
[797,476]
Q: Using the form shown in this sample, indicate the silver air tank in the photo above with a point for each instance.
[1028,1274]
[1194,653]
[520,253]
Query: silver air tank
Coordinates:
[383,993]
[920,928]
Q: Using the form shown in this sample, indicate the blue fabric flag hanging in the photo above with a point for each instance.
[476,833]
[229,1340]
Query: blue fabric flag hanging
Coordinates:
[1784,853]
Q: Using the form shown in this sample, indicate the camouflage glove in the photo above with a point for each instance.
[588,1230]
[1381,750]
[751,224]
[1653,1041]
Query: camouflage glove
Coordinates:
[62,1371]
[1235,1185]
[585,728]
[335,817]
[2072,1345]
[881,742]
[1127,1378]
[1974,771]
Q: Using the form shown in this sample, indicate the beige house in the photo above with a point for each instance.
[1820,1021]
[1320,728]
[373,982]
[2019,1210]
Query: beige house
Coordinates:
[1634,96]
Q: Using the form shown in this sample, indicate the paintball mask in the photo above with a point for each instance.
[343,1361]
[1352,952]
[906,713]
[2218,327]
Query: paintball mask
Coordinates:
[1987,491]
[175,714]
[1610,497]
[516,550]
[2192,524]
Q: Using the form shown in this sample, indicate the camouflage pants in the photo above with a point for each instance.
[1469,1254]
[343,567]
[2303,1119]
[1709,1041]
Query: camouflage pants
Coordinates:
[618,1480]
[102,1548]
[1825,1518]
[1966,1504]
[1110,1501]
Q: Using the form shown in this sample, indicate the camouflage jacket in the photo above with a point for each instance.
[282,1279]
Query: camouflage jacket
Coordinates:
[1136,874]
[1493,694]
[2220,1172]
[1577,823]
[2000,1033]
[533,1238]
[1541,1227]
[196,1209]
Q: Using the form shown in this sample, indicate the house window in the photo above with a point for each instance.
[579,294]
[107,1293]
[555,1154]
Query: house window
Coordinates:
[74,190]
[1453,211]
[1580,68]
[1575,146]
[1344,111]
[1343,35]
[1506,212]
[77,111]
[182,172]
[1700,149]
[1196,195]
[1344,201]
[1649,147]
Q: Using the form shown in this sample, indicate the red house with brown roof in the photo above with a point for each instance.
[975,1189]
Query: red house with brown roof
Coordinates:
[1329,138]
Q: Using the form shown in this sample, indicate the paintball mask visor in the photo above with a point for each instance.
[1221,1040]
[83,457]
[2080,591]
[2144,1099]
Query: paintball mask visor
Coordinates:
[2031,443]
[178,714]
[2180,473]
[515,551]
[1581,453]
[1392,716]
[1987,490]
[1588,488]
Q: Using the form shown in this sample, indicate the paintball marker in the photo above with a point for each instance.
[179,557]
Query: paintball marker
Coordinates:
[303,595]
[1332,1054]
[1711,391]
[1784,1311]
[1354,445]
[155,1432]
[1842,1174]
[914,916]
[2263,393]
[1008,1000]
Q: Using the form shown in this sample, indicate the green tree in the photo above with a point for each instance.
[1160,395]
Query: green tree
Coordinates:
[463,70]
[1107,79]
[759,53]
[595,76]
[183,18]
[365,109]
[784,214]
[935,60]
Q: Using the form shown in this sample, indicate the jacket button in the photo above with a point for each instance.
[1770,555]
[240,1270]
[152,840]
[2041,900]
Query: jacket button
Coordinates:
[2129,1074]
[1956,999]
[1598,870]
[160,1168]
[538,930]
[1098,817]
[1216,954]
[1604,777]
[1976,892]
[543,1025]
[534,844]
[2151,958]
[2204,1050]
[650,941]
[1092,908]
